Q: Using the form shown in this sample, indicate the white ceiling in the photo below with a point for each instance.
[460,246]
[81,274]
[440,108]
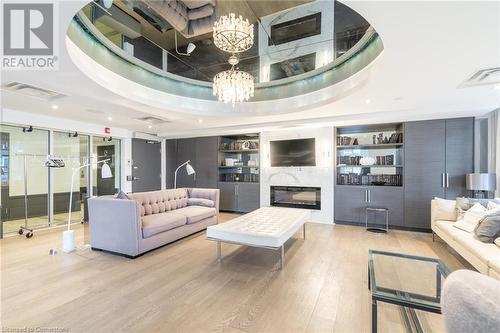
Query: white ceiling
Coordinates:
[430,49]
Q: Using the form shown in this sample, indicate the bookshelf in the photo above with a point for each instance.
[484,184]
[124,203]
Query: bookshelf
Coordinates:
[239,158]
[370,155]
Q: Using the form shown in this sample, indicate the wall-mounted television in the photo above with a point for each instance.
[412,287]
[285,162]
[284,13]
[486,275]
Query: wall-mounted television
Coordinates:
[293,153]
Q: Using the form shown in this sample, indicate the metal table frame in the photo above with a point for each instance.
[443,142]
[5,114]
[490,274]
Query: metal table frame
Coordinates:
[375,209]
[407,306]
[281,248]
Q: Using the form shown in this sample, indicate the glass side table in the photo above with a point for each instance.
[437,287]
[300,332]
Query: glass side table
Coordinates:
[412,282]
[375,210]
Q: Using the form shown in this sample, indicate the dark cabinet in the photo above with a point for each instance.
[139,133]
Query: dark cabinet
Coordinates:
[424,168]
[239,197]
[459,155]
[351,203]
[438,154]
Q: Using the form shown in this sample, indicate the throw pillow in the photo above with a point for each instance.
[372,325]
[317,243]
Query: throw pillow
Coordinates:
[497,241]
[200,202]
[488,227]
[122,195]
[471,218]
[445,209]
[493,205]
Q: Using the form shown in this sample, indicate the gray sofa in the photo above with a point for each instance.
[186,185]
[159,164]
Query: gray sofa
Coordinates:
[149,220]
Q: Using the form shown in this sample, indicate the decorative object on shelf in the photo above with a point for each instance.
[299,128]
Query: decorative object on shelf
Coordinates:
[229,161]
[367,161]
[245,145]
[252,163]
[233,85]
[189,169]
[380,138]
[233,34]
[482,184]
[355,142]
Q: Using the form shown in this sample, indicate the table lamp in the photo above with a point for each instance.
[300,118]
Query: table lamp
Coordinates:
[482,184]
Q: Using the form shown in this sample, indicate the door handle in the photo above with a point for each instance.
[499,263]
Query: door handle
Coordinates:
[366,195]
[447,180]
[442,180]
[369,195]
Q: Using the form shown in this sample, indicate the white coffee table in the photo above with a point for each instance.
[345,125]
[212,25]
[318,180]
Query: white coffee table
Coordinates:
[266,227]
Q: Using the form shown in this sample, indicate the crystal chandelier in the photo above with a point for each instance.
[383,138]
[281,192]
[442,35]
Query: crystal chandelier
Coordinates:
[233,34]
[233,85]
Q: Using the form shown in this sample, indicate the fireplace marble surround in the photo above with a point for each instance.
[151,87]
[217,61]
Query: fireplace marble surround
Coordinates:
[320,175]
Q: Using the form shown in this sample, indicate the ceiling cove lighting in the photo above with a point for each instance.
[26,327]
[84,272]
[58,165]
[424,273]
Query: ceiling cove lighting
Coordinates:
[233,34]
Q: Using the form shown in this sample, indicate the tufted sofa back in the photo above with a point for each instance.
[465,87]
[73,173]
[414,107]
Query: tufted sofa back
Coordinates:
[156,202]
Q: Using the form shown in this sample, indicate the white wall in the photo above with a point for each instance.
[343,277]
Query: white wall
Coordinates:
[319,176]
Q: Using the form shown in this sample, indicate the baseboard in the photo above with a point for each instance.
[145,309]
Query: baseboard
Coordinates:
[362,225]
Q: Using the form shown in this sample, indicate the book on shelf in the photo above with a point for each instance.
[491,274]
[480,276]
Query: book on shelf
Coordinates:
[356,179]
[346,141]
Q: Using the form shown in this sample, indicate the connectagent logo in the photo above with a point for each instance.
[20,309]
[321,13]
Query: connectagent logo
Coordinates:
[28,36]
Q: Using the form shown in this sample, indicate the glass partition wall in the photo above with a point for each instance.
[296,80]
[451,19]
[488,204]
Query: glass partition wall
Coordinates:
[25,178]
[74,150]
[48,189]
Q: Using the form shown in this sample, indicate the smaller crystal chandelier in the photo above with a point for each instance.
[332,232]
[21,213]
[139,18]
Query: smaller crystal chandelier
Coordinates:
[233,85]
[233,34]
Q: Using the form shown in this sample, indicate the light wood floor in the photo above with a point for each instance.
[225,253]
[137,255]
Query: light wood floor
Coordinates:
[181,288]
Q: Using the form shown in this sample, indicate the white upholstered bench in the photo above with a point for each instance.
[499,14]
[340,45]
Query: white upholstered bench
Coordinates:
[266,227]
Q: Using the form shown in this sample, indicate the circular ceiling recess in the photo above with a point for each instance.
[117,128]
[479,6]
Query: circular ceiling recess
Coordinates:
[299,48]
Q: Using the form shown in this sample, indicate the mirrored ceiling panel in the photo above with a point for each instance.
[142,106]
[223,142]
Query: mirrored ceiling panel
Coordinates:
[290,37]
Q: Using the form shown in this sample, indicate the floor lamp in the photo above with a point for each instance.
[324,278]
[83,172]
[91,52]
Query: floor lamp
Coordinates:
[189,169]
[69,235]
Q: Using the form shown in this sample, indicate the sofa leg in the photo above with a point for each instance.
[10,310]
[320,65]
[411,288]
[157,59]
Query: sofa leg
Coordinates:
[433,236]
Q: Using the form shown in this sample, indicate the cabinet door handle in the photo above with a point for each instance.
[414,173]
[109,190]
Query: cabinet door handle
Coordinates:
[369,195]
[237,189]
[366,195]
[442,180]
[447,180]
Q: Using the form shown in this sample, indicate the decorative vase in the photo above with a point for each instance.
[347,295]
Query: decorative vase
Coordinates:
[367,161]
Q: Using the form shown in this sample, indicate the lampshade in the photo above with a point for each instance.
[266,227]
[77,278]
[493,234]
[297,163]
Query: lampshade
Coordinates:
[481,181]
[106,171]
[189,169]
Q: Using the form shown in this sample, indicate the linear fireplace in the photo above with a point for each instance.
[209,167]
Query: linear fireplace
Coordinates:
[296,197]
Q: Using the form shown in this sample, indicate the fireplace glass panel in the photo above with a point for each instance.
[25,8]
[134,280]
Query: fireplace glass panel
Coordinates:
[296,197]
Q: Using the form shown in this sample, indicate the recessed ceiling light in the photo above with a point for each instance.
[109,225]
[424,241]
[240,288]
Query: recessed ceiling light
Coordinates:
[368,101]
[200,121]
[150,126]
[110,118]
[54,107]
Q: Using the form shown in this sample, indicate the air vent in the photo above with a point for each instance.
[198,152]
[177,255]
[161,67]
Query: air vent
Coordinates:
[154,120]
[483,77]
[33,91]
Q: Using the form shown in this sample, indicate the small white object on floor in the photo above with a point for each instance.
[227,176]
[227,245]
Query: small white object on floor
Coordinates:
[68,241]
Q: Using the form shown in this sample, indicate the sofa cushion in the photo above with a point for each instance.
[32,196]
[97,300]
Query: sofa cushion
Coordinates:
[196,213]
[198,3]
[122,195]
[495,264]
[201,12]
[471,218]
[156,223]
[497,241]
[155,202]
[448,228]
[200,202]
[484,251]
[445,209]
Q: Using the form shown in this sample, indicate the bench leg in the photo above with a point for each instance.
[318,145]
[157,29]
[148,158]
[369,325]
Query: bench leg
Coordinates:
[282,261]
[219,251]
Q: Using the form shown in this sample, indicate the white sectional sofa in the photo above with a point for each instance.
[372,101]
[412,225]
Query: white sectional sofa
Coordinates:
[484,257]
